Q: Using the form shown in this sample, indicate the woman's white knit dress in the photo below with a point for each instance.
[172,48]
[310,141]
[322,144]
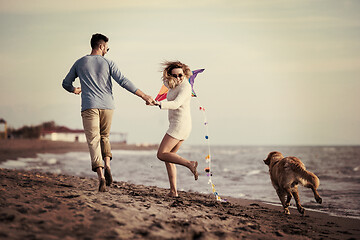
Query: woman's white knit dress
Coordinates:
[178,104]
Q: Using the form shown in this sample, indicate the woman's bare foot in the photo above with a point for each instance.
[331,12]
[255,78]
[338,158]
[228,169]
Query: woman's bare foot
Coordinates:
[172,194]
[193,169]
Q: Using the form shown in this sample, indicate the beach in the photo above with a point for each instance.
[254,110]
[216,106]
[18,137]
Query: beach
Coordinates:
[38,205]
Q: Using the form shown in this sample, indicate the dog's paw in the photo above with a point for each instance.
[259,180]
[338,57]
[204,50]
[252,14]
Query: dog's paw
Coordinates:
[286,211]
[301,211]
[319,200]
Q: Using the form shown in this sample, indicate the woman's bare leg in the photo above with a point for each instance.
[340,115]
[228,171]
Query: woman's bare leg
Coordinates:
[166,154]
[171,170]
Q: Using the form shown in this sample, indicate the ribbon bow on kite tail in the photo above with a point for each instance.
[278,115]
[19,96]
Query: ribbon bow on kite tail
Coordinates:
[162,95]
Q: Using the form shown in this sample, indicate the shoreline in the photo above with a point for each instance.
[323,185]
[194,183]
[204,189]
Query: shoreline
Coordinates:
[294,210]
[11,149]
[36,205]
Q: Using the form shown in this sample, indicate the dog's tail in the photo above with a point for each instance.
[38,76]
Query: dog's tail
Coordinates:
[306,177]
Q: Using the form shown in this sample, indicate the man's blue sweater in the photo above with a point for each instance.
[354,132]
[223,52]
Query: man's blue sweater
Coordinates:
[95,72]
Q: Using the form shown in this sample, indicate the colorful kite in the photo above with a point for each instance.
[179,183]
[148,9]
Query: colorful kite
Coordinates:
[162,95]
[164,90]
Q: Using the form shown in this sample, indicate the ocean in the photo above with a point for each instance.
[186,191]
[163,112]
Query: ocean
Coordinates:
[237,171]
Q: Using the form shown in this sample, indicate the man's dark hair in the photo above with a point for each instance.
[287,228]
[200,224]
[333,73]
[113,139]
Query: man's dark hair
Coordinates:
[96,40]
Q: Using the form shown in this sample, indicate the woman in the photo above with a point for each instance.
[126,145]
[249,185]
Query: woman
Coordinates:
[175,78]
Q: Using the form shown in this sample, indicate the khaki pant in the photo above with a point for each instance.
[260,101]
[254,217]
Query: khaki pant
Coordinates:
[97,123]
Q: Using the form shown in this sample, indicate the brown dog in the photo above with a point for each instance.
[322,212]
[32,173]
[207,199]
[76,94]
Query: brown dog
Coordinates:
[286,174]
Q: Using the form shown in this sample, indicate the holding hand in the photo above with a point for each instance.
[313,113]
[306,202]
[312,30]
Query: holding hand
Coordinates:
[148,99]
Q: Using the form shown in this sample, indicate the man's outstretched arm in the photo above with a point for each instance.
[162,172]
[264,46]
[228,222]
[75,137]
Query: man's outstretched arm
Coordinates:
[148,99]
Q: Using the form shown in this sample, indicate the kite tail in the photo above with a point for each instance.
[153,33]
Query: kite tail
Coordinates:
[208,157]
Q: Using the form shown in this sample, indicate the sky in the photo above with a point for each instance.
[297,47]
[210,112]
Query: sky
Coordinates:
[277,72]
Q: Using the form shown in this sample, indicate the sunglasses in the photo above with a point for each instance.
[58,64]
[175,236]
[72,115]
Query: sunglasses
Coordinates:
[176,76]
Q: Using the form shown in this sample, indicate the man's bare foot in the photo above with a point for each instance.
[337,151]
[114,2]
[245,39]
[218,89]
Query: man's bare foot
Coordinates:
[193,169]
[108,176]
[102,187]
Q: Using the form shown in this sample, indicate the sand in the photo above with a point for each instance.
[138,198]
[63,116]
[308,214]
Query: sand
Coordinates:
[36,205]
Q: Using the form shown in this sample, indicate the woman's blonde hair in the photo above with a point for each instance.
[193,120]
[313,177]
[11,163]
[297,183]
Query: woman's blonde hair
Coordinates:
[168,79]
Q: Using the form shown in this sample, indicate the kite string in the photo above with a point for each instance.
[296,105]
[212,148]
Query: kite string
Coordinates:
[208,157]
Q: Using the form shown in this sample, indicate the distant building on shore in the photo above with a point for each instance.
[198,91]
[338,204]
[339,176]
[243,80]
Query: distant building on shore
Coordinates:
[3,129]
[61,133]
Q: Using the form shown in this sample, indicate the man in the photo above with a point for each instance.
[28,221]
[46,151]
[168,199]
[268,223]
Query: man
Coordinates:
[97,102]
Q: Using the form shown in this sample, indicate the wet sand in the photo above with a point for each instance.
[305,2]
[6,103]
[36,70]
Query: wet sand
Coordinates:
[50,206]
